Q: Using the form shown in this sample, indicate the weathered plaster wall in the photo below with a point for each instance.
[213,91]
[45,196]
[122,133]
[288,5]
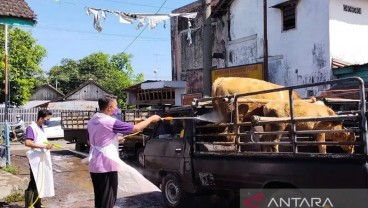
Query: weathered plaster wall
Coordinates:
[221,40]
[349,31]
[296,56]
[188,58]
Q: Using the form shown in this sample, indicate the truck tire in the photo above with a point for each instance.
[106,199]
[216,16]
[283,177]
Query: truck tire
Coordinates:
[140,156]
[173,192]
[80,147]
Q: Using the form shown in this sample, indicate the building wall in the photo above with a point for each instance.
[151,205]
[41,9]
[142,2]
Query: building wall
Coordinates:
[349,31]
[88,92]
[296,56]
[45,93]
[188,58]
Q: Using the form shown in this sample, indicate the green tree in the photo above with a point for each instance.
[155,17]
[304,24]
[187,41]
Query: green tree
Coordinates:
[25,56]
[66,75]
[114,73]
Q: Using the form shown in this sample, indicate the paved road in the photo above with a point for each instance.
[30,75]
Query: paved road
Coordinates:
[73,186]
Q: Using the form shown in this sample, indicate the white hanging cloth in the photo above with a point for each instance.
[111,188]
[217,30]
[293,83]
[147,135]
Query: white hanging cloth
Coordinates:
[189,34]
[129,18]
[154,20]
[123,18]
[141,22]
[97,17]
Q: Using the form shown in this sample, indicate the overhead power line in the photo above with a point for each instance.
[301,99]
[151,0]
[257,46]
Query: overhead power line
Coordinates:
[94,33]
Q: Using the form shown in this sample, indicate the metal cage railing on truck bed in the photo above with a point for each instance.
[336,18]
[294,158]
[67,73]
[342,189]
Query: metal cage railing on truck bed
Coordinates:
[76,119]
[136,115]
[237,136]
[79,119]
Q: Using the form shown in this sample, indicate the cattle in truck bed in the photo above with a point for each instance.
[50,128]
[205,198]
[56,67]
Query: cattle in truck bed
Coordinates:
[304,109]
[236,85]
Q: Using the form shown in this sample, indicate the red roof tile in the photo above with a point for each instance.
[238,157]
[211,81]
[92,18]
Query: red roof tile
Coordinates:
[17,9]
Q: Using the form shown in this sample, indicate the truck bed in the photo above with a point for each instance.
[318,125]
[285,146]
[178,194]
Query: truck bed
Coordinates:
[251,170]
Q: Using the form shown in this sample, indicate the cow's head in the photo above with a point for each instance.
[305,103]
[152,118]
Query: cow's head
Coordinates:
[349,137]
[223,107]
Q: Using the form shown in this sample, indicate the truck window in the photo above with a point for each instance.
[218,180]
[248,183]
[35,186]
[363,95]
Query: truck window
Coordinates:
[54,123]
[164,130]
[170,129]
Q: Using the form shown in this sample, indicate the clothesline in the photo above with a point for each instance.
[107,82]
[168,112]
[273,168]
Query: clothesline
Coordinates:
[142,18]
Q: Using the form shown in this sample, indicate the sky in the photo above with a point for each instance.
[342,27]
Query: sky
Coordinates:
[66,31]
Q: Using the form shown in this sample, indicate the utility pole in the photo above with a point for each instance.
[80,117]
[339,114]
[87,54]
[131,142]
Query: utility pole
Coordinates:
[6,97]
[9,79]
[56,83]
[265,42]
[207,48]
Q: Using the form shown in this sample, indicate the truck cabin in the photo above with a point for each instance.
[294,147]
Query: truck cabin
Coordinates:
[178,127]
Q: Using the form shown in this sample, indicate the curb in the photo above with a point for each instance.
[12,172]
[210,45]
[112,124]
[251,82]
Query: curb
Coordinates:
[10,184]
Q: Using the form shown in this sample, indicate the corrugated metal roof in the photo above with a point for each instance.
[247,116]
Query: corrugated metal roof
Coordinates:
[163,84]
[137,86]
[17,9]
[74,105]
[35,103]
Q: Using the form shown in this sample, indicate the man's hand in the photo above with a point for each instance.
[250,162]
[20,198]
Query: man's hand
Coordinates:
[121,139]
[49,146]
[141,125]
[155,118]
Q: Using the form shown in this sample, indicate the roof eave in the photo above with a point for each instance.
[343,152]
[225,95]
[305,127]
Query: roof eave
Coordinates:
[17,21]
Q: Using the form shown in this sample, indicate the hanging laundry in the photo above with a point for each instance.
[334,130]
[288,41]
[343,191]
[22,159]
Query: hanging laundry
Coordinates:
[154,20]
[96,18]
[123,18]
[141,22]
[103,14]
[189,16]
[129,18]
[189,34]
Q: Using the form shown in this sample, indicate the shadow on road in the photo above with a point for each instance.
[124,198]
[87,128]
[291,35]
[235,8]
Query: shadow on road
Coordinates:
[152,200]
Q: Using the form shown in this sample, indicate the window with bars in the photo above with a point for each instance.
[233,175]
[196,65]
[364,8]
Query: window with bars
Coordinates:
[289,17]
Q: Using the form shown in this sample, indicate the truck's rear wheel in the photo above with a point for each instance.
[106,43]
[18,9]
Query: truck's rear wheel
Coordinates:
[173,192]
[80,147]
[140,155]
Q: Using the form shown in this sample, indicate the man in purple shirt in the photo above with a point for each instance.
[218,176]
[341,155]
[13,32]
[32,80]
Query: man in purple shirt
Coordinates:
[103,130]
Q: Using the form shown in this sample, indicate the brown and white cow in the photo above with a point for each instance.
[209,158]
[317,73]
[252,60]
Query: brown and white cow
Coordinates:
[248,105]
[231,85]
[305,109]
[235,85]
